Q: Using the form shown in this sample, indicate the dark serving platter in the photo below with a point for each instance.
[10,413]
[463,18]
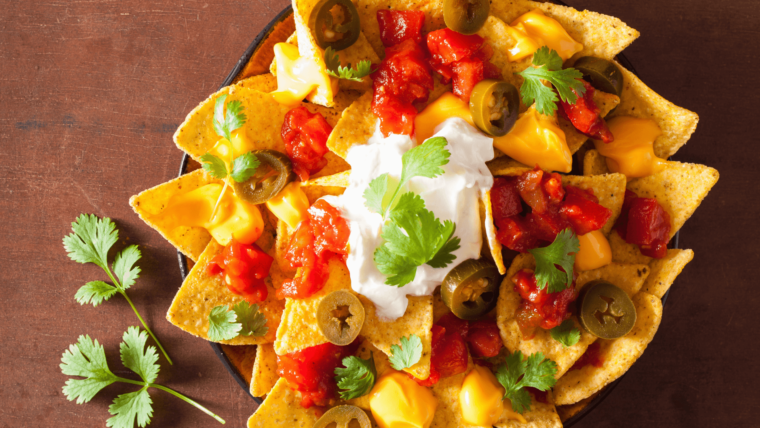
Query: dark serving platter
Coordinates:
[183,265]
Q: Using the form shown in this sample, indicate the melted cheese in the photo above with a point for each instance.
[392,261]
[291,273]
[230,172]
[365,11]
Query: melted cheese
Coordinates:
[290,205]
[632,152]
[396,401]
[446,106]
[299,77]
[594,251]
[533,30]
[537,139]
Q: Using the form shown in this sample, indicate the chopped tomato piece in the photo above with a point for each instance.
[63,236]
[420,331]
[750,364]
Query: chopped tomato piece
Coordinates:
[447,46]
[529,186]
[483,339]
[583,211]
[438,333]
[505,199]
[467,74]
[514,233]
[586,116]
[592,357]
[449,355]
[644,222]
[244,268]
[454,324]
[311,371]
[540,396]
[305,135]
[540,308]
[331,230]
[546,226]
[399,25]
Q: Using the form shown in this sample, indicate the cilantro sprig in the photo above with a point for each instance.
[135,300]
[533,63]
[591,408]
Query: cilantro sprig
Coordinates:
[413,235]
[561,253]
[357,378]
[332,61]
[547,65]
[87,359]
[408,354]
[243,166]
[518,373]
[566,333]
[90,242]
[243,320]
[234,119]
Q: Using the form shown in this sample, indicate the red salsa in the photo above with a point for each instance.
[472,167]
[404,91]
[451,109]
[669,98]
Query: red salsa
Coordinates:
[592,357]
[322,235]
[244,268]
[305,135]
[644,222]
[312,371]
[586,116]
[540,308]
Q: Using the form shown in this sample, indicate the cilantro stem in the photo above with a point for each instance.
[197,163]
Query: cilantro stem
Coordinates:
[390,203]
[187,400]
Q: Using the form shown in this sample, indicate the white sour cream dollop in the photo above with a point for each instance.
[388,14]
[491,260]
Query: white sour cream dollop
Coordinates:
[451,196]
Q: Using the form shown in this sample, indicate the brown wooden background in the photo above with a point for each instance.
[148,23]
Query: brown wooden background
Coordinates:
[91,92]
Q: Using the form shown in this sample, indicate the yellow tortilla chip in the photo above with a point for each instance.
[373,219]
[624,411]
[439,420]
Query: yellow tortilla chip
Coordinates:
[335,180]
[623,252]
[506,166]
[680,188]
[618,354]
[594,163]
[569,410]
[191,241]
[629,278]
[356,125]
[489,231]
[664,271]
[200,293]
[242,358]
[264,53]
[282,408]
[609,189]
[262,82]
[677,124]
[264,374]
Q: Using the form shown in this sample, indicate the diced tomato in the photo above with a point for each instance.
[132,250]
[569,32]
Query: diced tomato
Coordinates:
[399,25]
[546,226]
[244,268]
[308,280]
[540,396]
[454,324]
[540,308]
[447,46]
[505,199]
[305,135]
[483,339]
[331,230]
[529,186]
[514,233]
[586,116]
[438,332]
[644,222]
[449,355]
[467,74]
[583,212]
[311,371]
[592,357]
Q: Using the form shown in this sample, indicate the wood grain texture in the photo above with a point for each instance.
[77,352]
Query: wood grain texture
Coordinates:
[91,92]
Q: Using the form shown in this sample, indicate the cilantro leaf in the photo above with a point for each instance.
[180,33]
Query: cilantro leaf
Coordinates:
[333,67]
[224,125]
[566,333]
[136,357]
[548,66]
[401,270]
[222,324]
[252,321]
[214,166]
[87,359]
[424,160]
[124,266]
[130,406]
[518,373]
[95,292]
[91,239]
[560,252]
[244,166]
[408,354]
[357,378]
[375,193]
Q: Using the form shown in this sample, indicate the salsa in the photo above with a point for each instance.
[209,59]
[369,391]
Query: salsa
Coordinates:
[530,210]
[312,371]
[644,222]
[591,357]
[539,307]
[305,135]
[322,235]
[244,268]
[586,116]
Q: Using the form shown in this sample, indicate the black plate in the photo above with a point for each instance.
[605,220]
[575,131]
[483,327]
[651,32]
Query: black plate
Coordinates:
[183,260]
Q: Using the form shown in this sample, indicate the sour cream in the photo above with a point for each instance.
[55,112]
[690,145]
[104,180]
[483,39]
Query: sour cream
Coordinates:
[451,196]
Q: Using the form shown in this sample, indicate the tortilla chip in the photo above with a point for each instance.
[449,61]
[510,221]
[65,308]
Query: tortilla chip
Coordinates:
[594,163]
[489,231]
[623,252]
[417,320]
[664,271]
[242,358]
[368,15]
[201,292]
[609,189]
[629,278]
[356,125]
[282,408]
[506,166]
[264,374]
[618,354]
[601,35]
[262,82]
[677,124]
[191,241]
[569,410]
[264,52]
[335,180]
[680,188]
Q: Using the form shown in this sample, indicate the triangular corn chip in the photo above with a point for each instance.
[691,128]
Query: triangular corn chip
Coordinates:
[356,125]
[664,271]
[594,163]
[569,410]
[623,252]
[242,357]
[264,53]
[618,355]
[282,408]
[609,189]
[264,374]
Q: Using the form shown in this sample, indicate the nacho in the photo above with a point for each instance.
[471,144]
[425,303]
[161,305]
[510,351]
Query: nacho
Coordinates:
[594,163]
[618,355]
[489,231]
[609,189]
[242,358]
[282,407]
[264,374]
[356,125]
[664,271]
[569,410]
[200,293]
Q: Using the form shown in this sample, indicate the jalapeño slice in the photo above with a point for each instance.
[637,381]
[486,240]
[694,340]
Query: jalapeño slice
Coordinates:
[470,289]
[465,16]
[340,317]
[603,75]
[495,105]
[342,416]
[275,171]
[606,311]
[329,33]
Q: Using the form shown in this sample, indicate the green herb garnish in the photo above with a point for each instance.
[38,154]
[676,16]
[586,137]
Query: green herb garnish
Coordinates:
[332,61]
[518,373]
[357,378]
[243,320]
[566,333]
[561,253]
[548,66]
[406,355]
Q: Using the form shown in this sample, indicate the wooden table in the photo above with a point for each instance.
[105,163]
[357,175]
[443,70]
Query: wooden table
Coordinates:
[91,92]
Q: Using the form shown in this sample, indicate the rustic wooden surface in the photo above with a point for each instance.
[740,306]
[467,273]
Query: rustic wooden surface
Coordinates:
[91,92]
